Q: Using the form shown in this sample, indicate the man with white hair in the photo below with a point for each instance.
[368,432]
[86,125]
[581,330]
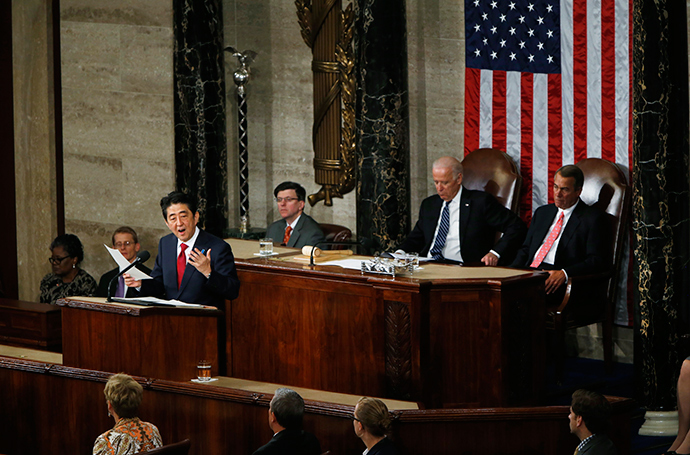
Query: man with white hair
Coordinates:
[458,225]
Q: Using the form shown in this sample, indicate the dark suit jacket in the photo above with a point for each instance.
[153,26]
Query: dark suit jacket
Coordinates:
[600,444]
[585,244]
[306,232]
[102,290]
[291,442]
[383,447]
[481,216]
[195,288]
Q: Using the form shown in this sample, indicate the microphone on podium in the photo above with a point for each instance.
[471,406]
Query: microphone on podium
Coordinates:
[142,256]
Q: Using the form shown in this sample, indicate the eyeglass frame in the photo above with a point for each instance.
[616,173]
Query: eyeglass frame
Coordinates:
[286,199]
[57,261]
[126,243]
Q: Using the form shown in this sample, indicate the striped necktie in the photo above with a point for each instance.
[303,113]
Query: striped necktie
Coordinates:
[444,225]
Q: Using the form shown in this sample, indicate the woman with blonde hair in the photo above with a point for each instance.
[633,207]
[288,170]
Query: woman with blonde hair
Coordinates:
[372,425]
[129,435]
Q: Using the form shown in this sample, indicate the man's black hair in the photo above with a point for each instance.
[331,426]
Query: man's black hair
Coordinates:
[176,197]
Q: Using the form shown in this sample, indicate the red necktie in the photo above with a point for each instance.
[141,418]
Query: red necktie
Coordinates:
[286,237]
[541,254]
[181,264]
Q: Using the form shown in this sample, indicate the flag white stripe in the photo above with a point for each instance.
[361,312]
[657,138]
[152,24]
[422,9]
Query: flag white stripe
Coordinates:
[486,121]
[568,133]
[540,141]
[513,113]
[594,78]
[622,83]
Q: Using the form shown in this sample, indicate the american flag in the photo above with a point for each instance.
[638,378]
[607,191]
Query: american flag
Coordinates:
[550,83]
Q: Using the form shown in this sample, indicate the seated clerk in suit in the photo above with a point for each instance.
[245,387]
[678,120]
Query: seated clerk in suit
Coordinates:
[296,229]
[126,241]
[458,225]
[576,245]
[285,415]
[589,414]
[192,265]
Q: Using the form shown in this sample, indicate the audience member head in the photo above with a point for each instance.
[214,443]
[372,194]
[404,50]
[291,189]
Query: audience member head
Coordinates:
[371,416]
[589,413]
[181,215]
[567,186]
[286,409]
[290,199]
[124,395]
[66,253]
[125,240]
[447,174]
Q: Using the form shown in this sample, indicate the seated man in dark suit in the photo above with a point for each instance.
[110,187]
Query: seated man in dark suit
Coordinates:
[575,245]
[192,265]
[589,414]
[295,229]
[285,419]
[458,225]
[125,239]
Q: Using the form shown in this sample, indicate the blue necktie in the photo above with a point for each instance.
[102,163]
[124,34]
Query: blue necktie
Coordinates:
[436,250]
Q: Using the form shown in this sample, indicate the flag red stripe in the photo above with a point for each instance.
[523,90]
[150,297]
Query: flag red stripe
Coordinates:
[608,80]
[580,79]
[555,126]
[526,165]
[472,83]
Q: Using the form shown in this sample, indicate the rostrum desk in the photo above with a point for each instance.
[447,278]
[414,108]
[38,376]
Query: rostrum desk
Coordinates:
[447,337]
[156,342]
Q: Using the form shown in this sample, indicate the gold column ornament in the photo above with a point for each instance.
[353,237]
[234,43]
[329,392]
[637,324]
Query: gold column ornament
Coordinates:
[327,29]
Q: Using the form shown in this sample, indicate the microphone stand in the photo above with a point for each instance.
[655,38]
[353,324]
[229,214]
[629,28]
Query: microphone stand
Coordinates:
[327,242]
[138,260]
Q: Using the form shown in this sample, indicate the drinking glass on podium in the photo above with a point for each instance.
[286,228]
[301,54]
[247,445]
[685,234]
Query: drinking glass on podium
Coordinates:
[203,371]
[266,247]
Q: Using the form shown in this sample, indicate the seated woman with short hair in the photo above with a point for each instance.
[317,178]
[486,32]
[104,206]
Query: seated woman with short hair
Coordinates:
[129,435]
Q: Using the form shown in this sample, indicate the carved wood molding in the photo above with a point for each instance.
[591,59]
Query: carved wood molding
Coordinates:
[398,350]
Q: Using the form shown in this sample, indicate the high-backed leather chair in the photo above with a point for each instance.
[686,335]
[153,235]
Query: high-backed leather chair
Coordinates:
[336,233]
[592,298]
[495,172]
[178,448]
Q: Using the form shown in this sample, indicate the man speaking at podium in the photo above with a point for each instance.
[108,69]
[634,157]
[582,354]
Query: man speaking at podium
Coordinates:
[192,265]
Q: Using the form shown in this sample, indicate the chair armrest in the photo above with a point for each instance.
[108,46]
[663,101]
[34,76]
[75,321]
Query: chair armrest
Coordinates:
[578,282]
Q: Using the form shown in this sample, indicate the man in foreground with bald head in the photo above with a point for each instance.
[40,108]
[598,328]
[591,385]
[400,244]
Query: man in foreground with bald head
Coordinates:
[458,225]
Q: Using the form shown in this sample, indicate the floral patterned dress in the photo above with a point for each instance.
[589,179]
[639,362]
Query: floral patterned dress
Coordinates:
[128,436]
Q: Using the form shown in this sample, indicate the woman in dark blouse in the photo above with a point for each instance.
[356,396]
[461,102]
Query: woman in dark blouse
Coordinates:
[67,279]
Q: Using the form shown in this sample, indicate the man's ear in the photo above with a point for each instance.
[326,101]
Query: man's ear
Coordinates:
[579,421]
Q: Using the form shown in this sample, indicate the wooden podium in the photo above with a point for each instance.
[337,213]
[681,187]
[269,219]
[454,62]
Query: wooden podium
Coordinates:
[447,336]
[155,342]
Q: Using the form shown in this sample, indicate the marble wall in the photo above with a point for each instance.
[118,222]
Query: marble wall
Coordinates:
[117,96]
[34,141]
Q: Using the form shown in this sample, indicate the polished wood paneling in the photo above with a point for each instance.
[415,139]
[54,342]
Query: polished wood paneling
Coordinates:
[442,342]
[51,408]
[147,341]
[30,324]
